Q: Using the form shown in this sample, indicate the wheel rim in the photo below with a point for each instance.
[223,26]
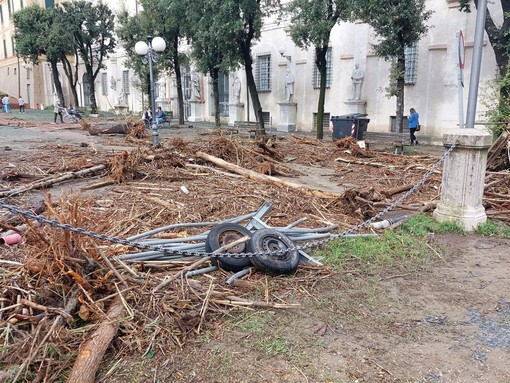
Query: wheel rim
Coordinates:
[273,244]
[230,236]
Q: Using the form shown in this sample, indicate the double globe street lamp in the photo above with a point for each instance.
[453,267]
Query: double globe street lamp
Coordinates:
[149,51]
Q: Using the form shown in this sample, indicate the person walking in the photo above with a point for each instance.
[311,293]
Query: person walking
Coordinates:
[21,103]
[414,123]
[7,104]
[57,111]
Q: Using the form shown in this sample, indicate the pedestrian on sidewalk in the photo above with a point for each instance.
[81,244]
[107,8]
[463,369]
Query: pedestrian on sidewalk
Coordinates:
[21,103]
[57,110]
[7,104]
[414,124]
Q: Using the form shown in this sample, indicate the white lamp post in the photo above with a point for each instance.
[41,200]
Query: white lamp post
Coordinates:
[149,51]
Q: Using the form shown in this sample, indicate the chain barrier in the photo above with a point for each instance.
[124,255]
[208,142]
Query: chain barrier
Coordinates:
[118,241]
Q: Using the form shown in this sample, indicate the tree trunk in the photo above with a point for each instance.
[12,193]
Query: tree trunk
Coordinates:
[322,67]
[252,87]
[250,174]
[92,86]
[71,77]
[56,81]
[214,77]
[401,70]
[91,353]
[177,68]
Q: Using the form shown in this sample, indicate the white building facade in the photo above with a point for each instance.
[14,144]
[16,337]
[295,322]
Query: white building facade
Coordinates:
[431,89]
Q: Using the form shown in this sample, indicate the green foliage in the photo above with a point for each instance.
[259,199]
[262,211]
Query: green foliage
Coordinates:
[496,229]
[311,25]
[92,28]
[398,23]
[31,28]
[497,104]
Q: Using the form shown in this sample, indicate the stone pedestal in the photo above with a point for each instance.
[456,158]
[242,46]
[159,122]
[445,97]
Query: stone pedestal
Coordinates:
[464,178]
[197,114]
[356,106]
[164,103]
[288,114]
[235,113]
[121,109]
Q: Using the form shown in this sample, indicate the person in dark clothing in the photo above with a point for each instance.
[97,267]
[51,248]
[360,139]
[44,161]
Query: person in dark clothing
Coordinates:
[414,123]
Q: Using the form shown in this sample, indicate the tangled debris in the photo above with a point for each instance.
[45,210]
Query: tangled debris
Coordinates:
[60,289]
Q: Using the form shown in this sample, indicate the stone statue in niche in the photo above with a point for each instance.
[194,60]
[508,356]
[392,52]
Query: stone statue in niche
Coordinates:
[195,87]
[357,77]
[236,90]
[289,86]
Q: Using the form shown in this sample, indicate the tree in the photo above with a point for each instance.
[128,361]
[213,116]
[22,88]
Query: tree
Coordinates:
[249,19]
[92,27]
[211,38]
[33,27]
[164,18]
[311,25]
[399,24]
[499,37]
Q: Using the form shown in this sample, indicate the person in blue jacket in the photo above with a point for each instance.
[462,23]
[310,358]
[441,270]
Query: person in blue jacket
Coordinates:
[414,123]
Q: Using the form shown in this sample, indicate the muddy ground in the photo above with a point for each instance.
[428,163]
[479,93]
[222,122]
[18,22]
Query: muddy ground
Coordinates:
[442,319]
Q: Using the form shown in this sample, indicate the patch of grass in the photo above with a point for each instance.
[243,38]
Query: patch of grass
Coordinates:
[394,248]
[267,334]
[422,224]
[493,229]
[373,252]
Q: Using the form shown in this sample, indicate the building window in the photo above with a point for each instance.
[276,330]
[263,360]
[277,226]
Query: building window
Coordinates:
[13,46]
[28,73]
[5,53]
[15,72]
[125,82]
[325,121]
[21,4]
[104,83]
[411,55]
[329,71]
[9,8]
[49,3]
[1,14]
[264,73]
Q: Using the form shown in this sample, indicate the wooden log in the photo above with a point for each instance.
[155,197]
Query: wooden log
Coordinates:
[396,190]
[92,351]
[109,129]
[496,148]
[52,181]
[263,178]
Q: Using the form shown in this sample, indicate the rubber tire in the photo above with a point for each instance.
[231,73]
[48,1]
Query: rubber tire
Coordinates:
[68,118]
[226,233]
[269,240]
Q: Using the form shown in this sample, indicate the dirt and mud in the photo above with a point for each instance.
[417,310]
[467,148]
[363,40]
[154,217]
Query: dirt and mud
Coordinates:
[445,319]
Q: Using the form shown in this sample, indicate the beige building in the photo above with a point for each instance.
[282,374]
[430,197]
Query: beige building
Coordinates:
[431,79]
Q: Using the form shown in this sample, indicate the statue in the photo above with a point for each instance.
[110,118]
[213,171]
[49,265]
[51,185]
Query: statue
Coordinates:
[357,80]
[289,86]
[162,90]
[236,89]
[195,87]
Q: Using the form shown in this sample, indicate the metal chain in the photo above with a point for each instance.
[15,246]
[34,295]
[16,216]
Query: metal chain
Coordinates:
[118,241]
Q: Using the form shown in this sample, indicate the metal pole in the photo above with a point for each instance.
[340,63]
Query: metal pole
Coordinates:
[154,125]
[476,63]
[460,78]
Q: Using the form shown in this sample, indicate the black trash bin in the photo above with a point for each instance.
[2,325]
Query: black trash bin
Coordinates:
[349,125]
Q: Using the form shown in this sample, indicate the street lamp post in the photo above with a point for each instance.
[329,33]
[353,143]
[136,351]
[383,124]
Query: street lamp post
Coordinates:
[149,53]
